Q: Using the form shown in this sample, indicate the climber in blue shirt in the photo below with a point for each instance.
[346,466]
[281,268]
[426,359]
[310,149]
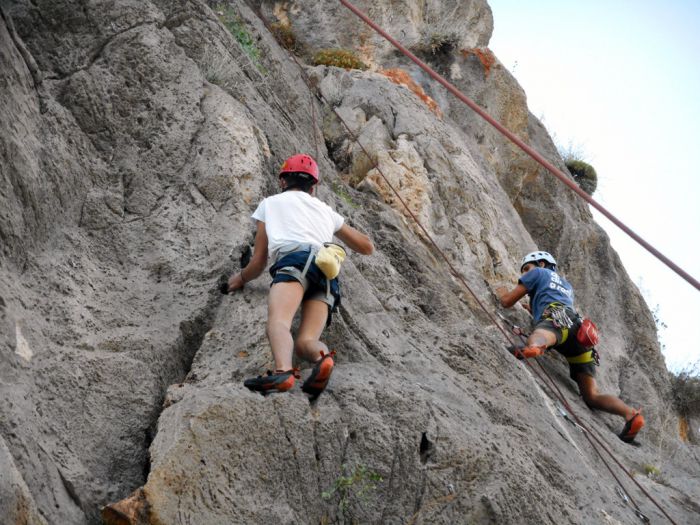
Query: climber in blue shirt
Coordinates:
[557,325]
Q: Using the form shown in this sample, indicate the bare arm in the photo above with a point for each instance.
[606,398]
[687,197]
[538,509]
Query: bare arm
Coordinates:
[257,263]
[507,298]
[355,240]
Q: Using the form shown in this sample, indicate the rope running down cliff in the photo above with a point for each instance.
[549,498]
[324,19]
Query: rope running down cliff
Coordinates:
[527,149]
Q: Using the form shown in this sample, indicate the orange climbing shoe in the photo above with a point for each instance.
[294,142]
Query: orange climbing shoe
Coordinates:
[279,381]
[320,374]
[632,427]
[527,352]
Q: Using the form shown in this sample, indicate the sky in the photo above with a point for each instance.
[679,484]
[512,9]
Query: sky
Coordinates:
[619,81]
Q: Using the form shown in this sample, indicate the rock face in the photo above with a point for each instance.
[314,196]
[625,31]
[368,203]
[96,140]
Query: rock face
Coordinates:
[137,138]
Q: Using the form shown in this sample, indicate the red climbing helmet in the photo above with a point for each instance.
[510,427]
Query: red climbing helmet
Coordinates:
[300,163]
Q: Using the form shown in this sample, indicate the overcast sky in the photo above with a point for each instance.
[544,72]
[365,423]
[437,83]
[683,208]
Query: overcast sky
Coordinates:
[620,80]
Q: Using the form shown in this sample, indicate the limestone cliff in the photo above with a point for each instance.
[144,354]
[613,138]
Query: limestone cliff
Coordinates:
[136,138]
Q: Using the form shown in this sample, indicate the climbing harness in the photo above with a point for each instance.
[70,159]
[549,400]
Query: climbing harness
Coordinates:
[586,333]
[303,257]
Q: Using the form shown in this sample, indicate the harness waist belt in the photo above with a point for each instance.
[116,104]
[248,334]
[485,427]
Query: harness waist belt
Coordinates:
[580,359]
[295,247]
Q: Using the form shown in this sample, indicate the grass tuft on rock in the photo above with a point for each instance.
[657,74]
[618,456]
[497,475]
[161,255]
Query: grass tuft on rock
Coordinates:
[285,36]
[344,58]
[233,22]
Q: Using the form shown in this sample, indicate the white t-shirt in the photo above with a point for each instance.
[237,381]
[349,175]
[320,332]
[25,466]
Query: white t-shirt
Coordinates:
[296,217]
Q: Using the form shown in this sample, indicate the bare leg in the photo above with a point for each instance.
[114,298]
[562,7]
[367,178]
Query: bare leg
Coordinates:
[605,402]
[282,304]
[540,337]
[313,320]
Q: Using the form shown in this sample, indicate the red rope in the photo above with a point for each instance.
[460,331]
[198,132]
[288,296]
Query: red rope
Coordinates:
[527,149]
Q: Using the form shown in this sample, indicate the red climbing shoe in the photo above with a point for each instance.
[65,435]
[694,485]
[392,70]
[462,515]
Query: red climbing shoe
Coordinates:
[279,381]
[631,428]
[320,374]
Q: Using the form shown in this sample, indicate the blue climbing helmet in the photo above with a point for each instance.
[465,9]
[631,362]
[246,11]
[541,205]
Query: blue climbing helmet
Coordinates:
[534,257]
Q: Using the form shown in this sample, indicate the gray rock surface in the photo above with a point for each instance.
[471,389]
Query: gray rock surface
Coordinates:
[135,140]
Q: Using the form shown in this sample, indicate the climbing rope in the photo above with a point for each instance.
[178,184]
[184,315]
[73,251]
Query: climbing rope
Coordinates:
[313,114]
[553,387]
[527,149]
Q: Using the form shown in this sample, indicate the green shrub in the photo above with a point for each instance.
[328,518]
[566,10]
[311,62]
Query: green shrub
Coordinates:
[584,175]
[358,484]
[341,192]
[685,389]
[653,472]
[339,58]
[231,21]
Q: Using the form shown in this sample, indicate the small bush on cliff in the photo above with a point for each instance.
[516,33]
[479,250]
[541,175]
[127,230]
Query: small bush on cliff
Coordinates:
[685,389]
[584,174]
[437,43]
[219,70]
[339,58]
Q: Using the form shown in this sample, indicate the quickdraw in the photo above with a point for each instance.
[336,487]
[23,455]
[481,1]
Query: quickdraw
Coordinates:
[559,316]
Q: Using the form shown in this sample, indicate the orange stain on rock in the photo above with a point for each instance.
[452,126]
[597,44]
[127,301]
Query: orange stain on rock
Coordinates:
[401,77]
[485,56]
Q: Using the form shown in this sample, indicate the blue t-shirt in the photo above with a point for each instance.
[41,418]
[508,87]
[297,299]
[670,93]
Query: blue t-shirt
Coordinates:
[545,287]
